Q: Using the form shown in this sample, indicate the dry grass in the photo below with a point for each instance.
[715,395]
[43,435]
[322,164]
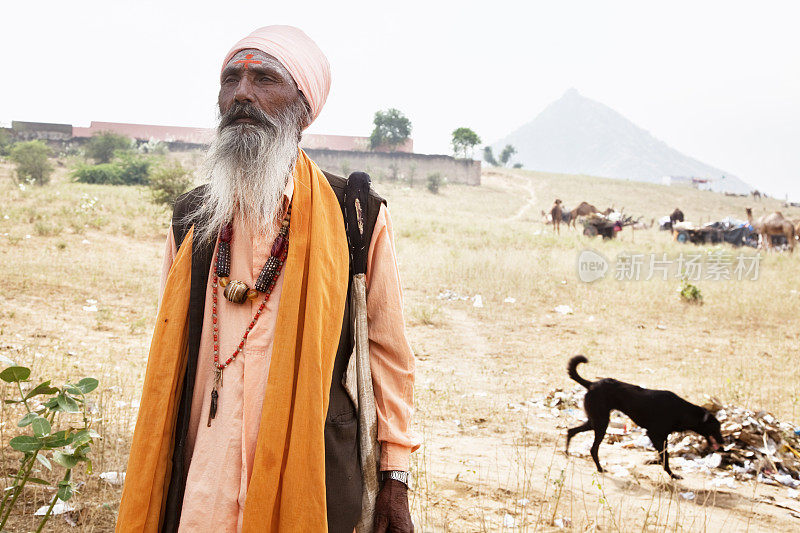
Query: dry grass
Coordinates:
[481,460]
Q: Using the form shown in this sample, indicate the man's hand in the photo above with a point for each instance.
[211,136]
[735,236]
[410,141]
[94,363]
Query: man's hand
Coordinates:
[391,509]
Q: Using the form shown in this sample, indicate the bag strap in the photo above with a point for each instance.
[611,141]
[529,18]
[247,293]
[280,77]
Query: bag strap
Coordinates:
[354,210]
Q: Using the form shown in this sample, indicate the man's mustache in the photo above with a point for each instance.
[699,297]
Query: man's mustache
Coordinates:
[249,111]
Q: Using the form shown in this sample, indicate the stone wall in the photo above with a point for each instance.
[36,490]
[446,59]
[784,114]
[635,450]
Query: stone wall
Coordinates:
[398,165]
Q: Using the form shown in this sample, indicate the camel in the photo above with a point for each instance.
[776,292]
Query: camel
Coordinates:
[773,224]
[756,195]
[583,209]
[676,216]
[556,215]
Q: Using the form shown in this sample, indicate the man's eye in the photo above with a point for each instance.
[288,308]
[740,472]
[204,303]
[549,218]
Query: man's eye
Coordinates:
[230,79]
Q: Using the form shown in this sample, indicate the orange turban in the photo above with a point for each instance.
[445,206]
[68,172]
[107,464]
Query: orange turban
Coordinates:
[298,54]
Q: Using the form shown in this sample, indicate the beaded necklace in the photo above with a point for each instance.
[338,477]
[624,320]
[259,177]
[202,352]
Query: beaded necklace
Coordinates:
[238,292]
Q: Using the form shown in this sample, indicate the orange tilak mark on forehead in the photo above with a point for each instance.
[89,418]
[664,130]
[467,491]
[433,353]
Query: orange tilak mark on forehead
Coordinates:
[248,59]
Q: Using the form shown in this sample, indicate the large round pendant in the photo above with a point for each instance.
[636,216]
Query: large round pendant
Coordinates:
[236,291]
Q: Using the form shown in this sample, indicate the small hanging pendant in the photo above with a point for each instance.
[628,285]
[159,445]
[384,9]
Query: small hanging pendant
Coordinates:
[212,409]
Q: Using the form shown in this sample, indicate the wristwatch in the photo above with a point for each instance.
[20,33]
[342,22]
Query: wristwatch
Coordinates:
[397,475]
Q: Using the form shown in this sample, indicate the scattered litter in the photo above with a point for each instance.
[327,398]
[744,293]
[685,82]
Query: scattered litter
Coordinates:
[510,300]
[522,502]
[590,319]
[448,294]
[562,522]
[72,353]
[60,507]
[563,310]
[90,308]
[84,241]
[509,521]
[792,493]
[113,478]
[477,301]
[661,326]
[786,479]
[27,236]
[726,481]
[712,461]
[687,495]
[642,441]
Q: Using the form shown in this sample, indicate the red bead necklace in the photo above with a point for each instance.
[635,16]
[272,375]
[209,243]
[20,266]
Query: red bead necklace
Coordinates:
[278,254]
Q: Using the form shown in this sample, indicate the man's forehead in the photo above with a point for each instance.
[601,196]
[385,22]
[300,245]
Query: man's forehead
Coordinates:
[251,57]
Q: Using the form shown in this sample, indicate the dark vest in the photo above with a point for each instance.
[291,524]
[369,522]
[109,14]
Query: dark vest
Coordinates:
[343,482]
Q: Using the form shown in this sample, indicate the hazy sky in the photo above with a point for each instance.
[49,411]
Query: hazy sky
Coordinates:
[719,81]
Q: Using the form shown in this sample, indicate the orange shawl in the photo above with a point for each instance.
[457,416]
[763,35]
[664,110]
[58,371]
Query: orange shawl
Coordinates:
[287,488]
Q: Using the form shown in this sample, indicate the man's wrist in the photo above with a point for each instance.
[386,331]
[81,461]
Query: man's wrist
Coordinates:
[397,475]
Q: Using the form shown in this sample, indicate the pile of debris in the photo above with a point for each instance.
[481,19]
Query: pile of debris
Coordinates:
[757,445]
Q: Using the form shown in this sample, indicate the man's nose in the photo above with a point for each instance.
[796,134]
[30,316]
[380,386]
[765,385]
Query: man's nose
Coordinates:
[244,91]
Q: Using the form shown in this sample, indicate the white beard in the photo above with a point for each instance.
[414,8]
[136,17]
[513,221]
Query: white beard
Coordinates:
[248,167]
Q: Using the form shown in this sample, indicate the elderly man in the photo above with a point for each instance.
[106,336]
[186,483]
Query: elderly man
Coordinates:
[244,423]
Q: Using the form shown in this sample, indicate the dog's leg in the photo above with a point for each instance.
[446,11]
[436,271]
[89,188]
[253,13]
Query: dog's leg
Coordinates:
[571,432]
[600,427]
[660,444]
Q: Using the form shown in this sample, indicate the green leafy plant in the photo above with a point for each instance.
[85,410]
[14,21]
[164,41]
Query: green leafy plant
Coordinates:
[104,173]
[31,158]
[103,146]
[127,169]
[6,142]
[169,182]
[134,169]
[65,447]
[690,293]
[434,182]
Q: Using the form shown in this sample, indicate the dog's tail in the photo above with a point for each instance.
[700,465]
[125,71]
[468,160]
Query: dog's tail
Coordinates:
[572,370]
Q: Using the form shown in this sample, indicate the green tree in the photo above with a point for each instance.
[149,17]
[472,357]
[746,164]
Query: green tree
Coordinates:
[392,129]
[169,182]
[464,141]
[505,155]
[32,163]
[101,146]
[488,156]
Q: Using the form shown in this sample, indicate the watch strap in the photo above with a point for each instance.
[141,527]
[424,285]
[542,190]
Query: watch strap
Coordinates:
[397,475]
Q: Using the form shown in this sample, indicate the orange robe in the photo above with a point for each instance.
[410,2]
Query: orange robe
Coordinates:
[221,456]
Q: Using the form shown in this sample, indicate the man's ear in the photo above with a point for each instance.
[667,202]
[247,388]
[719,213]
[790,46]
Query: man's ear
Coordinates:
[307,118]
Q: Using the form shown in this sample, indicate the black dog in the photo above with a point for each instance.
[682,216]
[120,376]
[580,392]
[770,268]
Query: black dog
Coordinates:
[660,412]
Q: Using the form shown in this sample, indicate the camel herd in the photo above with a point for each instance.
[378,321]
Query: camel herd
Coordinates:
[766,226]
[559,215]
